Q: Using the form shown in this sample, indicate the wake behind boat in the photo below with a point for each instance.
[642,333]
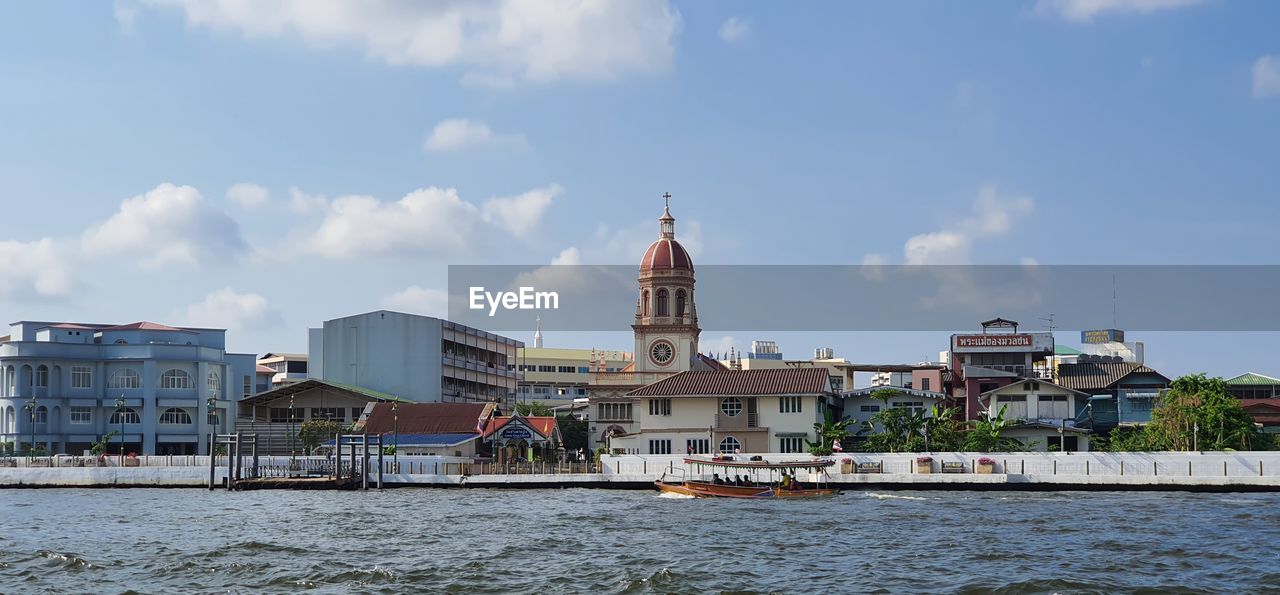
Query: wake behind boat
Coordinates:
[750,479]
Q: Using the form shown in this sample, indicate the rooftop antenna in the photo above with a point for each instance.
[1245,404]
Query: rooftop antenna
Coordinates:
[1048,320]
[1113,301]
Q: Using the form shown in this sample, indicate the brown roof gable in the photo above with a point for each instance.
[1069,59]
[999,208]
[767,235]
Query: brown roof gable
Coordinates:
[1099,375]
[428,418]
[786,381]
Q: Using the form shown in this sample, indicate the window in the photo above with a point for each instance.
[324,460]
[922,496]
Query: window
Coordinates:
[584,370]
[680,300]
[730,406]
[791,445]
[41,415]
[326,413]
[566,369]
[659,447]
[125,378]
[914,406]
[546,368]
[175,416]
[730,444]
[175,378]
[1054,407]
[81,415]
[125,415]
[213,384]
[924,384]
[788,405]
[42,377]
[662,302]
[280,415]
[659,406]
[699,446]
[248,385]
[614,411]
[869,408]
[644,300]
[81,377]
[356,412]
[1015,406]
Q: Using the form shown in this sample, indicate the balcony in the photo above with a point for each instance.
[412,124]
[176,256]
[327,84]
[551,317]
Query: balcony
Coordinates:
[741,421]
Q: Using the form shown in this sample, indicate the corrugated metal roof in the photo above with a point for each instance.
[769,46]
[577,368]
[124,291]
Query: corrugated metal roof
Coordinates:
[1253,378]
[788,381]
[427,418]
[1099,375]
[427,440]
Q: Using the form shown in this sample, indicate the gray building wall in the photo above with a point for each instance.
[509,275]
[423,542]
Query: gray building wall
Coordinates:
[389,352]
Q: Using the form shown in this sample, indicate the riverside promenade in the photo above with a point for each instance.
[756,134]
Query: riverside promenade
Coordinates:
[1207,471]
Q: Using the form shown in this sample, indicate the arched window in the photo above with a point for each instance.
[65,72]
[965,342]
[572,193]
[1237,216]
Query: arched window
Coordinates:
[680,300]
[42,377]
[10,420]
[128,414]
[731,406]
[41,415]
[175,378]
[175,416]
[662,303]
[125,378]
[644,306]
[729,444]
[10,384]
[213,384]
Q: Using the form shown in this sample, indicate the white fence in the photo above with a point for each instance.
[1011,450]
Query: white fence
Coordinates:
[1041,465]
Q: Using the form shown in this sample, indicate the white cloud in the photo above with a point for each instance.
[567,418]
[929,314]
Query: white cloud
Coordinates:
[1083,11]
[719,346]
[992,215]
[734,30]
[1266,77]
[520,214]
[568,257]
[419,300]
[31,270]
[460,133]
[495,40]
[168,225]
[126,14]
[301,202]
[228,309]
[431,221]
[248,195]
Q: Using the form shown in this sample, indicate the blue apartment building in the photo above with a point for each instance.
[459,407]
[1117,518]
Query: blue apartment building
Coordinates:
[162,389]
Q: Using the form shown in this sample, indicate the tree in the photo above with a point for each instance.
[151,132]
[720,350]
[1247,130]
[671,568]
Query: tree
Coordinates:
[895,429]
[99,448]
[944,430]
[986,435]
[533,409]
[314,432]
[574,433]
[829,430]
[1196,412]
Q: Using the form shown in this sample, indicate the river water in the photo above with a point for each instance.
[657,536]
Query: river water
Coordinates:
[598,541]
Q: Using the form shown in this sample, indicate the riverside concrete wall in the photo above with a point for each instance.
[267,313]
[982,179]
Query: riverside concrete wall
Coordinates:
[1222,471]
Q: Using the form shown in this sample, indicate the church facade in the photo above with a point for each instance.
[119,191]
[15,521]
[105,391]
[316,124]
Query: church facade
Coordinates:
[672,399]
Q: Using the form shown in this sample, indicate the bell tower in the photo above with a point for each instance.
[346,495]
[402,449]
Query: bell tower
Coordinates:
[666,324]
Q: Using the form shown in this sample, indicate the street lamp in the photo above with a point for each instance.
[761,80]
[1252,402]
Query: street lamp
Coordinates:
[395,438]
[120,414]
[31,408]
[211,413]
[292,453]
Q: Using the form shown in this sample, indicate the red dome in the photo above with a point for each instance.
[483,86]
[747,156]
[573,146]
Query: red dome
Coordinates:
[666,254]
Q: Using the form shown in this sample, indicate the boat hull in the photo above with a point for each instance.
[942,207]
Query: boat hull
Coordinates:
[710,490]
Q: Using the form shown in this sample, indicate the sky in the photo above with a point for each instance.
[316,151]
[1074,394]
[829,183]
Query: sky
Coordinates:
[266,166]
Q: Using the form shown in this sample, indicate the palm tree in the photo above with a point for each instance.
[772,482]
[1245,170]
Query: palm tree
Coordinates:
[828,430]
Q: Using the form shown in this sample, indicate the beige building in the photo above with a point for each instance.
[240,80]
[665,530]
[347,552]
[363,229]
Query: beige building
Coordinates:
[555,374]
[700,412]
[765,355]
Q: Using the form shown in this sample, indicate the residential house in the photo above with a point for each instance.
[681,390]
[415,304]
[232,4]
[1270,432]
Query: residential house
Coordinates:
[1041,414]
[1121,393]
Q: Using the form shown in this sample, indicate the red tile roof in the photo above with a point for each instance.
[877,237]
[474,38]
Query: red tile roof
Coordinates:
[71,326]
[428,418]
[666,254]
[786,381]
[542,425]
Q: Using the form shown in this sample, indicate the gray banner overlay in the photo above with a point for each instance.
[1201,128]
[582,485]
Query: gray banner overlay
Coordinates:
[882,298]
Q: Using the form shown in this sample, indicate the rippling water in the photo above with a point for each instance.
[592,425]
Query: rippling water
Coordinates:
[494,541]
